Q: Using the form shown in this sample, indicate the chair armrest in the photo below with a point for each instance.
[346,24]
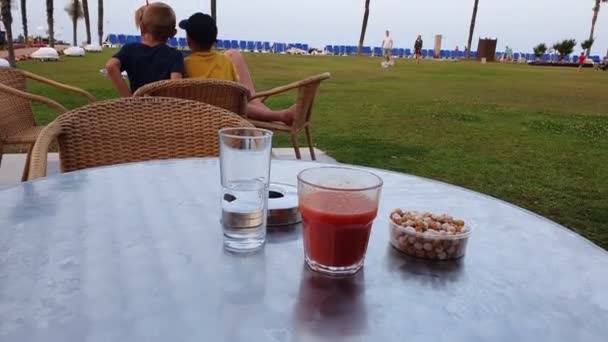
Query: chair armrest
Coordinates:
[62,86]
[264,95]
[41,150]
[32,97]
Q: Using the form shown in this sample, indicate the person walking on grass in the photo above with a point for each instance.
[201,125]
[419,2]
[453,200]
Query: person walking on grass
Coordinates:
[581,61]
[418,49]
[387,47]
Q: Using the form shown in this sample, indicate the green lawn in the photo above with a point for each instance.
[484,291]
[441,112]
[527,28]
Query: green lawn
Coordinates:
[536,137]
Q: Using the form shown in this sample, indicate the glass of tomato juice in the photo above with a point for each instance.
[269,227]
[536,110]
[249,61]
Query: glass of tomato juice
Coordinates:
[338,206]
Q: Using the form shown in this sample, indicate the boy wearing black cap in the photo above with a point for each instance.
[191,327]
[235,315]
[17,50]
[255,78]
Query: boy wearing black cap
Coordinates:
[204,62]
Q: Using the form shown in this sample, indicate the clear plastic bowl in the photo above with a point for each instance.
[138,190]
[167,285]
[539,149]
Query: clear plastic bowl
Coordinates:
[428,246]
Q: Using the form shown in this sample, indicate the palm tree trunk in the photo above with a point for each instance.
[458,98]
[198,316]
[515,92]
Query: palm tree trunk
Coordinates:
[472,28]
[214,11]
[75,30]
[596,11]
[363,27]
[87,22]
[100,21]
[50,22]
[7,20]
[24,19]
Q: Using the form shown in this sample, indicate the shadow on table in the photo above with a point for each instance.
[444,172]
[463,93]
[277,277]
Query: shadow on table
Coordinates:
[40,199]
[282,234]
[331,307]
[427,272]
[243,277]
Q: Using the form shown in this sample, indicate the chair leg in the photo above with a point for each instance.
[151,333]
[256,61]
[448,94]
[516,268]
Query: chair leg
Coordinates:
[294,142]
[26,168]
[310,146]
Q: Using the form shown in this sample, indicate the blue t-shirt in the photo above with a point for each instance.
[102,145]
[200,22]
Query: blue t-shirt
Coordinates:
[145,64]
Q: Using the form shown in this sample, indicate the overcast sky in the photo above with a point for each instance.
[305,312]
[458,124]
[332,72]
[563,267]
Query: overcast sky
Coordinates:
[520,24]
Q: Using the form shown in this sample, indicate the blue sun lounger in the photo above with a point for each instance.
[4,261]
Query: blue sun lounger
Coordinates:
[279,48]
[112,39]
[122,39]
[182,43]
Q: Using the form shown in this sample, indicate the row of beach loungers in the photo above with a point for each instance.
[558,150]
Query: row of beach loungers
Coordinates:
[117,40]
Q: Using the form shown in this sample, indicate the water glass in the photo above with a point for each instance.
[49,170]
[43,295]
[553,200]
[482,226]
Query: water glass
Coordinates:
[245,173]
[338,206]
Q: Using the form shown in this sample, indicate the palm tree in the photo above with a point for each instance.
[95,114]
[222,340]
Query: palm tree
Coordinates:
[50,22]
[87,22]
[7,20]
[596,11]
[214,11]
[363,27]
[100,21]
[24,18]
[472,28]
[74,11]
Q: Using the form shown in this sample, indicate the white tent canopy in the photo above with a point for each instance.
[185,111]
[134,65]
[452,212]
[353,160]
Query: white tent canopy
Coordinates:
[74,51]
[46,54]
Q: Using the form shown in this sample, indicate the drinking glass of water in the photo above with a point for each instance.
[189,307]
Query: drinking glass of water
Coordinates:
[245,174]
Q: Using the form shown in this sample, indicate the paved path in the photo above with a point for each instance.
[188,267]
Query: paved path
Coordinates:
[12,163]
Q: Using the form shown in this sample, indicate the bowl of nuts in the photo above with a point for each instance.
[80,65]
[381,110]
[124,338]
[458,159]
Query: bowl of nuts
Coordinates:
[428,236]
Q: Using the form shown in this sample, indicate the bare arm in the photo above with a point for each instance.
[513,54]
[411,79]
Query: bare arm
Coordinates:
[176,76]
[113,68]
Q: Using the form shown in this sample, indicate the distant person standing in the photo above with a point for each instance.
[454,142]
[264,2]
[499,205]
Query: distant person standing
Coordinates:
[418,49]
[387,46]
[581,61]
[456,50]
[509,54]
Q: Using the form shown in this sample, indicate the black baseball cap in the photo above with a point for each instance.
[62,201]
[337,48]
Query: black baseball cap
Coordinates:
[201,28]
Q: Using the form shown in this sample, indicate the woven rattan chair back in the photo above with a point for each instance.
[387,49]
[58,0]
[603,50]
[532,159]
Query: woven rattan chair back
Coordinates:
[231,96]
[131,130]
[307,91]
[15,112]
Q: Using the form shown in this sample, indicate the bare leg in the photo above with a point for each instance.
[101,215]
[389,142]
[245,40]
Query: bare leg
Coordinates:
[242,70]
[256,109]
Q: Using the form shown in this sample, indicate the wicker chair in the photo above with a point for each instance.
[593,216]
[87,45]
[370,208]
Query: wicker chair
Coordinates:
[130,130]
[224,94]
[307,90]
[17,124]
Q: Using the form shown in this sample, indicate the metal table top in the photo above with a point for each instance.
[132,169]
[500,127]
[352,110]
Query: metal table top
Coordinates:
[134,253]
